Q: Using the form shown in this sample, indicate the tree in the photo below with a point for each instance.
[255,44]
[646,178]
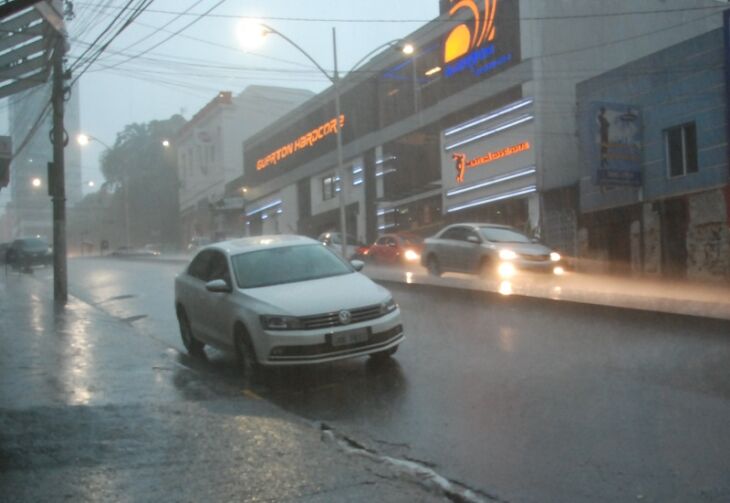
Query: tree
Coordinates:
[144,175]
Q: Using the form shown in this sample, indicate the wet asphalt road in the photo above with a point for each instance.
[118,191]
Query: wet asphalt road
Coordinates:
[529,400]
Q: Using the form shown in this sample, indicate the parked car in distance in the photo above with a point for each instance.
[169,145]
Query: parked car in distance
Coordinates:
[29,252]
[333,241]
[487,249]
[124,251]
[283,300]
[396,248]
[3,250]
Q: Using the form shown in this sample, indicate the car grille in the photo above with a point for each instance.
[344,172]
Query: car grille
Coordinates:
[323,349]
[536,258]
[333,319]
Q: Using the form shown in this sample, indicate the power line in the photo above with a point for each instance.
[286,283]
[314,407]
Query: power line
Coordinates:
[138,11]
[445,20]
[161,28]
[106,30]
[158,44]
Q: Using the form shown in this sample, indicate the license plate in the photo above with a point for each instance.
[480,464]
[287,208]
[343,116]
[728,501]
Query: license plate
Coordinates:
[348,338]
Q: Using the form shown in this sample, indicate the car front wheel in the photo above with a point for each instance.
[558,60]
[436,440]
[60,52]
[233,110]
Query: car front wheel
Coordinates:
[192,345]
[433,266]
[245,353]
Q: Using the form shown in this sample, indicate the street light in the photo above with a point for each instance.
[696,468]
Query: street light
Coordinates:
[166,143]
[83,140]
[36,182]
[252,32]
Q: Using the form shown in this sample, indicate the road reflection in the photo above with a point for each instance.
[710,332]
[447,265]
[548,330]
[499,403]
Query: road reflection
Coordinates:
[338,390]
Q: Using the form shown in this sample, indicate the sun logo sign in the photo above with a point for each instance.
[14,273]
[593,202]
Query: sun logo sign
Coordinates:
[470,45]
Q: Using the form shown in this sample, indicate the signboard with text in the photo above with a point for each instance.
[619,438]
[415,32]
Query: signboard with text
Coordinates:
[614,143]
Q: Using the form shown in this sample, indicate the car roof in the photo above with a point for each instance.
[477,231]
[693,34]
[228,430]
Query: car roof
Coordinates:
[481,224]
[243,245]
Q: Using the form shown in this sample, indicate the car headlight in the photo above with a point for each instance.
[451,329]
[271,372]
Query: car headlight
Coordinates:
[505,254]
[411,256]
[272,322]
[388,306]
[555,256]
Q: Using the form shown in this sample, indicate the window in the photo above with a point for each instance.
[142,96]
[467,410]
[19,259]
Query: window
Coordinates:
[199,266]
[218,268]
[330,187]
[455,233]
[681,150]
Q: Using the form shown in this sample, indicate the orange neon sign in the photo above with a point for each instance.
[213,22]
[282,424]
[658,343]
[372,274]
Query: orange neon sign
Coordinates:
[305,141]
[463,38]
[462,164]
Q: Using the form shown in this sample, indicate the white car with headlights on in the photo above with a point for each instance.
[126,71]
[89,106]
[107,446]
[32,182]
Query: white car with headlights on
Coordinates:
[487,249]
[283,300]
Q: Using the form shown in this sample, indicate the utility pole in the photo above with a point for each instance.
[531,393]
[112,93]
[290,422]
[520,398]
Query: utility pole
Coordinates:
[58,189]
[340,170]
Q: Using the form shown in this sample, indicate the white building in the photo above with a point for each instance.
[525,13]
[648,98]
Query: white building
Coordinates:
[210,151]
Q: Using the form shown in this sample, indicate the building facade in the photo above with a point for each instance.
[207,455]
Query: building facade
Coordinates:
[654,193]
[478,124]
[210,154]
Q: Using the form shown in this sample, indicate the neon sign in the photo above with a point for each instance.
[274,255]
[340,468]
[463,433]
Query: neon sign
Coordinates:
[464,47]
[307,140]
[461,164]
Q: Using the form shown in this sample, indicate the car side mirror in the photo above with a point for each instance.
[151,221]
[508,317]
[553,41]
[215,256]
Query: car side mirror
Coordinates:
[473,239]
[357,264]
[218,286]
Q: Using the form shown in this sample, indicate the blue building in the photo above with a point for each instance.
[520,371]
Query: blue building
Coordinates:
[653,190]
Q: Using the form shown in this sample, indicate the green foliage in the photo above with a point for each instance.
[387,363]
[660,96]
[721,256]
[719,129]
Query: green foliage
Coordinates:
[144,172]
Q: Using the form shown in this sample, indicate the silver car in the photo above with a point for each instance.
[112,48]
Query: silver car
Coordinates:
[283,300]
[487,249]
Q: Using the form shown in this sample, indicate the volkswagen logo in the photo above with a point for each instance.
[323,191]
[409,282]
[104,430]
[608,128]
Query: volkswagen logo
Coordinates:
[345,317]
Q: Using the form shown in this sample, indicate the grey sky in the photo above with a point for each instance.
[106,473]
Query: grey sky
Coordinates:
[178,76]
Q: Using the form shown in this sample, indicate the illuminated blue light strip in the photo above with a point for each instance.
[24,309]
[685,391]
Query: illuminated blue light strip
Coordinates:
[491,181]
[357,170]
[357,181]
[263,208]
[385,226]
[385,212]
[490,132]
[491,199]
[492,115]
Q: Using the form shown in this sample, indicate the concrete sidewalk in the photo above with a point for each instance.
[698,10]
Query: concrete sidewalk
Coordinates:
[91,410]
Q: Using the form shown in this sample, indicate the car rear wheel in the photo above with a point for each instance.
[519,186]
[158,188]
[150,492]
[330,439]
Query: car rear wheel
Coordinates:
[192,345]
[433,266]
[384,355]
[245,353]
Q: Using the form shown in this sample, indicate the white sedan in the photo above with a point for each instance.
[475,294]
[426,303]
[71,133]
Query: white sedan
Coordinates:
[283,300]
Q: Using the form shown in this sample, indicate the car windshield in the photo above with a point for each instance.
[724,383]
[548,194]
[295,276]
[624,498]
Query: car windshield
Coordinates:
[288,264]
[500,235]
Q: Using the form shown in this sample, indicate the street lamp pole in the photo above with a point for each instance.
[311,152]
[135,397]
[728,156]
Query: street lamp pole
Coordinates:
[340,169]
[83,139]
[334,79]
